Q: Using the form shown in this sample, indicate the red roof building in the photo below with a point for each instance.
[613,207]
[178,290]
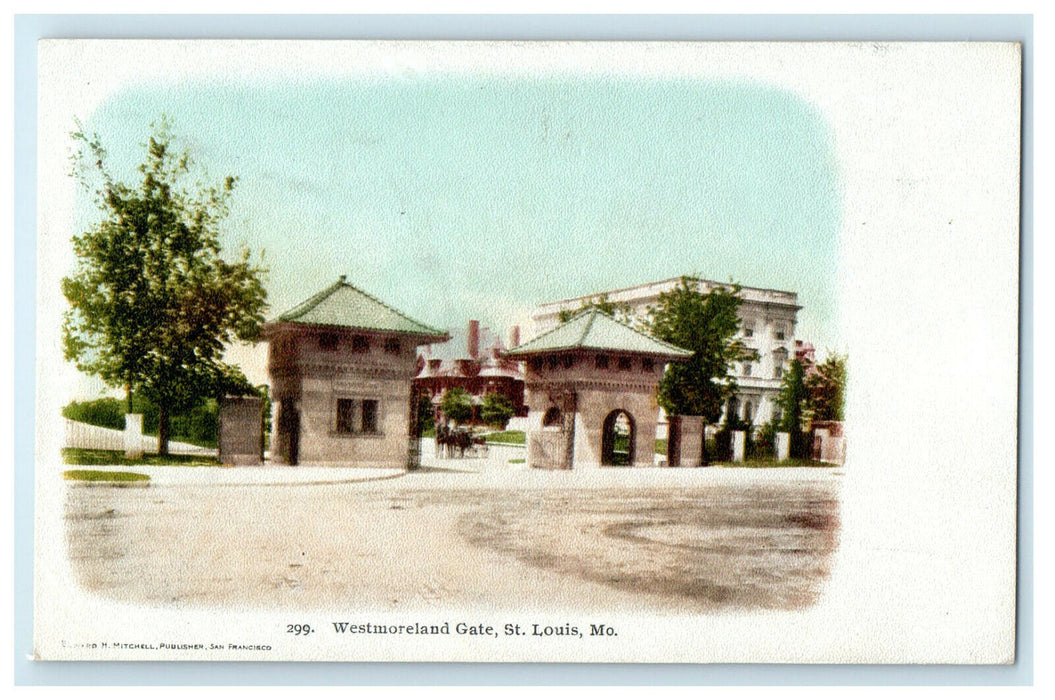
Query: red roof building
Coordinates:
[472,360]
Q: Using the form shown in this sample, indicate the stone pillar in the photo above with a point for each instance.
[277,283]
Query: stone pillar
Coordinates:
[739,437]
[133,435]
[685,441]
[783,446]
[673,441]
[240,436]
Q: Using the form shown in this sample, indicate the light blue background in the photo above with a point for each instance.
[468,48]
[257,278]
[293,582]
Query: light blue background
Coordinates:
[28,29]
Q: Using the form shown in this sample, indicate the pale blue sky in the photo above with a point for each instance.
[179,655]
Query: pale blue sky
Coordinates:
[464,196]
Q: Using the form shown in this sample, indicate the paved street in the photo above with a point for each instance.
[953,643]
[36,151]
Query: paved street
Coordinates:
[454,534]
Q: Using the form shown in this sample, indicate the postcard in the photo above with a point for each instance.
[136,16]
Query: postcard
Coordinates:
[527,351]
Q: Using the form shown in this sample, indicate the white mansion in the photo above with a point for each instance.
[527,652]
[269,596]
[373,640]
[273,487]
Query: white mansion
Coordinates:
[768,327]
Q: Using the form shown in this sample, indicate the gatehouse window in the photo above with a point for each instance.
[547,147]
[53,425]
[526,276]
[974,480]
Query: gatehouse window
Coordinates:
[369,416]
[647,364]
[626,364]
[345,415]
[357,416]
[360,343]
[536,363]
[568,361]
[392,346]
[553,362]
[328,341]
[601,361]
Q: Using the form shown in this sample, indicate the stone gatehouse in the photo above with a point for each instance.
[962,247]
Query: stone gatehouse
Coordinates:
[591,393]
[341,366]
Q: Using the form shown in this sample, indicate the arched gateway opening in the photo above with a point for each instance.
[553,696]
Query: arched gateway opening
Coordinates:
[617,439]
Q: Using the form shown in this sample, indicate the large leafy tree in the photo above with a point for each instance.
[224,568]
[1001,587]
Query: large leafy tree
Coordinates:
[153,302]
[794,406]
[826,387]
[708,325]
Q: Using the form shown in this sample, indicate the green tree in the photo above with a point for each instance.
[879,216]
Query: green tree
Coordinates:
[457,405]
[153,303]
[826,387]
[793,400]
[708,325]
[620,312]
[496,410]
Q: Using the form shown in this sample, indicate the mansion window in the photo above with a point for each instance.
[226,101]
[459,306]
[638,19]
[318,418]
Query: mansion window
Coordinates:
[552,419]
[647,364]
[779,358]
[626,364]
[747,369]
[780,332]
[328,341]
[360,343]
[357,416]
[601,361]
[749,331]
[392,346]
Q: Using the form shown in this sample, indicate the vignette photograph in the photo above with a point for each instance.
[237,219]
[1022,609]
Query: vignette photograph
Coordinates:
[455,351]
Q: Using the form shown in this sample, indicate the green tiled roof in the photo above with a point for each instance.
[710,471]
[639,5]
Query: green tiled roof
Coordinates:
[595,330]
[343,306]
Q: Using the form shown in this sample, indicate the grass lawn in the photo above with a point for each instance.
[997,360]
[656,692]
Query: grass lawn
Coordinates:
[517,461]
[96,475]
[661,447]
[773,464]
[73,455]
[507,437]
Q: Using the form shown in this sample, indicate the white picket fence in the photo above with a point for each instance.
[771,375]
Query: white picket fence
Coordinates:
[92,437]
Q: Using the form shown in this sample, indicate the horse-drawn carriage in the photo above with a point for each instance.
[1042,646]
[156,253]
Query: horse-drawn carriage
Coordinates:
[459,443]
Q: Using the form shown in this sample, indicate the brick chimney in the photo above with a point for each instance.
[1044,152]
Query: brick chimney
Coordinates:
[474,340]
[514,336]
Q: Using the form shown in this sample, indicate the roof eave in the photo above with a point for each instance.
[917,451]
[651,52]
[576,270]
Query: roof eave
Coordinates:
[424,337]
[524,354]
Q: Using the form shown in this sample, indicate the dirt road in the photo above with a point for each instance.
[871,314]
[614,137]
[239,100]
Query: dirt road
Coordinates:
[693,542]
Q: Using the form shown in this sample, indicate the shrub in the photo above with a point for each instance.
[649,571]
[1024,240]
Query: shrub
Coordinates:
[198,425]
[457,405]
[764,446]
[496,410]
[106,413]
